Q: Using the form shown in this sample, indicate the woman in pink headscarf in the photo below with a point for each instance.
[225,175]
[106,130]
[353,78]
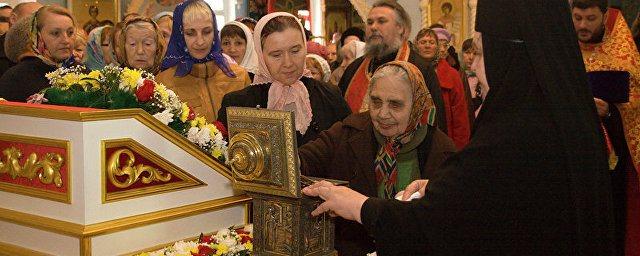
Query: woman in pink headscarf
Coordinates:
[283,82]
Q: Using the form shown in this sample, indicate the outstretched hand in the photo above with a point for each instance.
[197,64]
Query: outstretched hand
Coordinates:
[338,200]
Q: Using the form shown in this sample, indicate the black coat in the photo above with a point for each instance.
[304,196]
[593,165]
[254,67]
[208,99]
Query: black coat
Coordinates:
[327,105]
[24,79]
[428,72]
[533,180]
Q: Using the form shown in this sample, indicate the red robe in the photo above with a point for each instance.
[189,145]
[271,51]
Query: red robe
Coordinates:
[456,110]
[617,51]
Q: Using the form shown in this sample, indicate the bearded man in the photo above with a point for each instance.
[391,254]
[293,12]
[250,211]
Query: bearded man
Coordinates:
[608,48]
[387,31]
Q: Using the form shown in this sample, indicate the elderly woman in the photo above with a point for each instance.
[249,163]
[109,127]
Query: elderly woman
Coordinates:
[141,44]
[353,50]
[381,151]
[52,34]
[319,67]
[281,84]
[99,49]
[237,42]
[194,66]
[432,45]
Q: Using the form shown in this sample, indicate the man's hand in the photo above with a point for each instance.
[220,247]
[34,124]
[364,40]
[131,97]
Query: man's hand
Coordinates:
[415,186]
[602,107]
[338,200]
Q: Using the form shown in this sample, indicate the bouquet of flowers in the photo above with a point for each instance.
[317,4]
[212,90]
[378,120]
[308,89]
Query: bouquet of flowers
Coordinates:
[226,242]
[117,88]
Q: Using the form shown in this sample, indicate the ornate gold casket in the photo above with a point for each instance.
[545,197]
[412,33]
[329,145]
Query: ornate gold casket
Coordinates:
[264,162]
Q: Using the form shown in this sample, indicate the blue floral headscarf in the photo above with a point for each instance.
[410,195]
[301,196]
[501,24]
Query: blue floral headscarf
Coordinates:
[178,54]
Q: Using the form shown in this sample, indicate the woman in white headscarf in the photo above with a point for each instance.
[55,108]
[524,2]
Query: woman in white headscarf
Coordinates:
[237,42]
[349,52]
[319,67]
[282,81]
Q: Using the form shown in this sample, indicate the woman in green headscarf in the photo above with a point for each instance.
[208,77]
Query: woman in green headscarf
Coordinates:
[381,151]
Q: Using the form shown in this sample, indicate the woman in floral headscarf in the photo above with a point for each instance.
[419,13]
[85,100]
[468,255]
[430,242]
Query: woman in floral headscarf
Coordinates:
[381,151]
[99,50]
[52,34]
[194,66]
[283,82]
[141,44]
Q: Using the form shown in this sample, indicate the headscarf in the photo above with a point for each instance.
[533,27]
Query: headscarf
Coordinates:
[40,49]
[162,14]
[95,56]
[442,34]
[326,70]
[423,112]
[250,59]
[279,94]
[178,54]
[356,48]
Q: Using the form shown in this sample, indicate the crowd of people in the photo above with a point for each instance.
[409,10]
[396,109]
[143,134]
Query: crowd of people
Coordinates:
[503,141]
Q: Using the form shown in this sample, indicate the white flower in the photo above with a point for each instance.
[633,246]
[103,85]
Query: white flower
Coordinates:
[203,137]
[182,247]
[192,134]
[229,241]
[165,116]
[222,233]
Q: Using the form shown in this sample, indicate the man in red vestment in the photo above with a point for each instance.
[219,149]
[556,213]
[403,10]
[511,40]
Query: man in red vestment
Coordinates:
[387,31]
[607,45]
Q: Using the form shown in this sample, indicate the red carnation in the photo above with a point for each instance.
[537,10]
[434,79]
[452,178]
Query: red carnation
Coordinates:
[192,114]
[206,239]
[244,239]
[145,92]
[221,128]
[204,250]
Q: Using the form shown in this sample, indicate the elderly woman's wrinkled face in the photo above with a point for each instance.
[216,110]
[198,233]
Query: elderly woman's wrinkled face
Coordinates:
[198,34]
[390,105]
[284,54]
[141,45]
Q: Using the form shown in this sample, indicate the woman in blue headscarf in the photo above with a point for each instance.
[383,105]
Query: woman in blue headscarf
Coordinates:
[194,66]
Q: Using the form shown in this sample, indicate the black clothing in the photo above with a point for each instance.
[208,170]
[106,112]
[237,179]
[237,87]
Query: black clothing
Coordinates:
[347,151]
[533,179]
[327,105]
[5,63]
[24,79]
[428,72]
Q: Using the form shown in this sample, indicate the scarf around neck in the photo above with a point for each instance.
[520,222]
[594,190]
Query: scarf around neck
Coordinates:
[281,95]
[423,112]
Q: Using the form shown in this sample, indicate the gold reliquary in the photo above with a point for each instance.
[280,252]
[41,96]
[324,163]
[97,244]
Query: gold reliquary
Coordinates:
[263,156]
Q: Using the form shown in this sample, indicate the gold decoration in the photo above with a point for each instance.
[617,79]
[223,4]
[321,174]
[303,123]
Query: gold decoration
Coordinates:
[135,113]
[264,156]
[184,179]
[133,173]
[248,156]
[47,169]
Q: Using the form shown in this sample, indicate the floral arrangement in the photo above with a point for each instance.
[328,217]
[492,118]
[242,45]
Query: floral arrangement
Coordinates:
[117,88]
[226,242]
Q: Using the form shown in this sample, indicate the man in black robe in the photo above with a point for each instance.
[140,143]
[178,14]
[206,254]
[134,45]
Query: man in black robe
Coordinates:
[533,180]
[387,31]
